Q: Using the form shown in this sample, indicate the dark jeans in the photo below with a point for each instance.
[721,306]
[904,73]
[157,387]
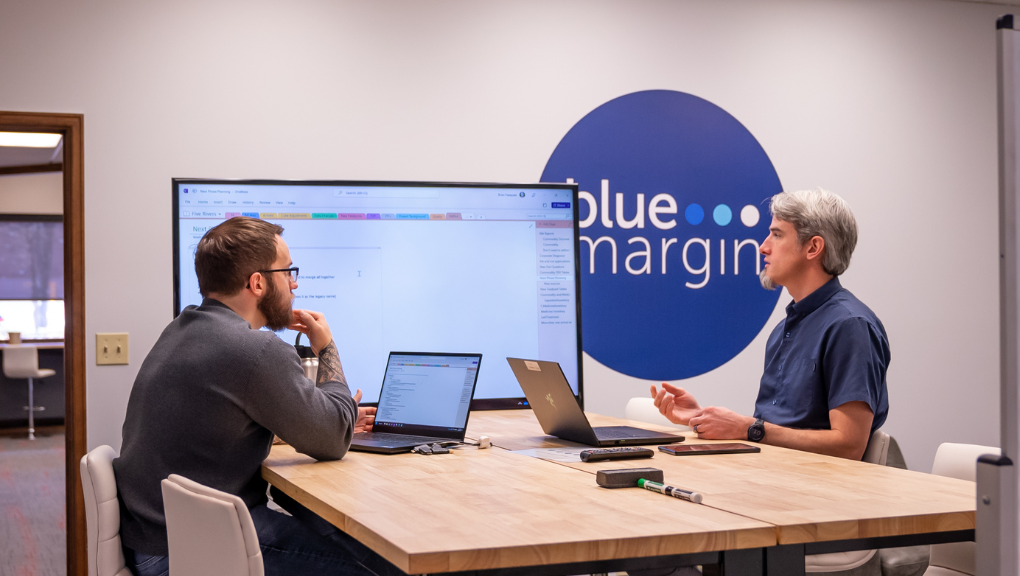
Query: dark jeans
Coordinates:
[300,544]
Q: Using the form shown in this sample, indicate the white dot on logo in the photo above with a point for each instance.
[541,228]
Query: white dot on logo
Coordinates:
[749,215]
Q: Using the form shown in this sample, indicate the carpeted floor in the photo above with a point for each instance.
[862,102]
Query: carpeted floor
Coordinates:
[32,516]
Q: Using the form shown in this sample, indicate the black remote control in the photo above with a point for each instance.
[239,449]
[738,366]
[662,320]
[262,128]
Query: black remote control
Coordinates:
[624,453]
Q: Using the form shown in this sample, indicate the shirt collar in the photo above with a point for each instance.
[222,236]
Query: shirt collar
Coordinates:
[211,302]
[812,301]
[221,308]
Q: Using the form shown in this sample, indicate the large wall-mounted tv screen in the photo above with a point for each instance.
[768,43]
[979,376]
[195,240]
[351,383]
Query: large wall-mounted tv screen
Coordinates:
[430,267]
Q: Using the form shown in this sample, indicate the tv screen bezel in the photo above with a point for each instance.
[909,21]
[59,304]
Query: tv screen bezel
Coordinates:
[477,403]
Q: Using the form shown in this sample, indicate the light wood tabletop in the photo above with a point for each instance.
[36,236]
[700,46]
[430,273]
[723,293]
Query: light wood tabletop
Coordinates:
[488,509]
[808,497]
[495,509]
[36,344]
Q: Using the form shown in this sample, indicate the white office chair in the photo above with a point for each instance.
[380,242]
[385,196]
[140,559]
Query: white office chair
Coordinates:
[642,409]
[23,362]
[877,451]
[855,562]
[210,532]
[956,461]
[906,561]
[102,513]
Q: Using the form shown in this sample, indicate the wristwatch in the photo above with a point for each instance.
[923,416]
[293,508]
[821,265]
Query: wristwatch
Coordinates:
[757,431]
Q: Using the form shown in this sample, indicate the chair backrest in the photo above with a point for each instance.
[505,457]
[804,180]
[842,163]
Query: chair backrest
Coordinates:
[958,461]
[20,361]
[102,513]
[210,532]
[642,409]
[877,451]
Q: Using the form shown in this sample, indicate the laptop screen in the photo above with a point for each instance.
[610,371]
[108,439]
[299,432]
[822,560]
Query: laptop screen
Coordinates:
[426,393]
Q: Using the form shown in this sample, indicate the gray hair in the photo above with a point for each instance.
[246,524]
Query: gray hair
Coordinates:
[820,213]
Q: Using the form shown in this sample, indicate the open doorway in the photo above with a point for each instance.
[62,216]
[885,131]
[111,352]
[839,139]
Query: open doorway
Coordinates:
[32,439]
[49,297]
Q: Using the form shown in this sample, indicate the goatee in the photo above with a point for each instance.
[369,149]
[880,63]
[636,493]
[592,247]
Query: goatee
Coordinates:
[766,282]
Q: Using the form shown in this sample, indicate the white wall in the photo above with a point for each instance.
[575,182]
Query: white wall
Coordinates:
[891,104]
[32,193]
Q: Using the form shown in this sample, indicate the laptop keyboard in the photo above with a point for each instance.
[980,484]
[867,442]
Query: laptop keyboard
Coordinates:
[624,432]
[401,438]
[609,433]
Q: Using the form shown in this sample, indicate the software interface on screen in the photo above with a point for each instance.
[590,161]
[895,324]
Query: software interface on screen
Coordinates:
[408,267]
[427,391]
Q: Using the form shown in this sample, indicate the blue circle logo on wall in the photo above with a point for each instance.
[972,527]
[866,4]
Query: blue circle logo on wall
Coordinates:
[673,207]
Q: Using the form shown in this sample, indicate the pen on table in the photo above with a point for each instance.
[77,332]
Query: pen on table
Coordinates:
[680,493]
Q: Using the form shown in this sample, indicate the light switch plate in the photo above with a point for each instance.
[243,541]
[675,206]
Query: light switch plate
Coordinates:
[111,348]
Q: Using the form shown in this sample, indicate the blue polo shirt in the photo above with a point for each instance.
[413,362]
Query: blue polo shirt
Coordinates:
[830,350]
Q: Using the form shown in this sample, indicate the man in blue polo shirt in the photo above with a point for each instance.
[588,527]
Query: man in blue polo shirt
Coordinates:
[823,389]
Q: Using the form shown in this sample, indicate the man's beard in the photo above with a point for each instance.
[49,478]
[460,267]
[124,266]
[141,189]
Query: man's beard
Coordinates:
[277,309]
[766,282]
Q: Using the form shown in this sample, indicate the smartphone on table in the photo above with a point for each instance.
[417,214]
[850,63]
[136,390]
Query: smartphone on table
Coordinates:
[694,449]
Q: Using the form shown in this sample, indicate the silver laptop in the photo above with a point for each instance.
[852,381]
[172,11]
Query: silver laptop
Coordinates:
[425,399]
[558,412]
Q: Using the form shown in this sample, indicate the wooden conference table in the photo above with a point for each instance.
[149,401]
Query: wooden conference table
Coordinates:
[499,512]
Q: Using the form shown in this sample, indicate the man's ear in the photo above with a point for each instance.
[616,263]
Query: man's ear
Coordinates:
[815,247]
[256,284]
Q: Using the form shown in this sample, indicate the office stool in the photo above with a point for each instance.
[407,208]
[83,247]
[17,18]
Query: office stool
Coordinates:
[21,361]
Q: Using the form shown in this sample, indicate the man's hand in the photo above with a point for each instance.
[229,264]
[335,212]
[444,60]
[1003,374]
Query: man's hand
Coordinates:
[675,403]
[715,423]
[313,325]
[366,416]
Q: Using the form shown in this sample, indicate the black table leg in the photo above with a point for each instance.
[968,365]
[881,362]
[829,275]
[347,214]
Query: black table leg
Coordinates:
[740,563]
[785,560]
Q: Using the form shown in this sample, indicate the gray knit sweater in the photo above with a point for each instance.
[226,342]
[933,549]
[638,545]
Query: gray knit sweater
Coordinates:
[206,403]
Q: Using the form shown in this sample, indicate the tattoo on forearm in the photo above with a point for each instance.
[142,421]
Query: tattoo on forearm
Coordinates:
[330,369]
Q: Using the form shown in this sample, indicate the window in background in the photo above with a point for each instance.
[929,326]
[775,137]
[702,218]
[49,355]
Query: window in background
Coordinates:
[32,276]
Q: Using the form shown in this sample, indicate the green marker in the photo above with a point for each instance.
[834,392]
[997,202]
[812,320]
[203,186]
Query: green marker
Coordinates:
[687,495]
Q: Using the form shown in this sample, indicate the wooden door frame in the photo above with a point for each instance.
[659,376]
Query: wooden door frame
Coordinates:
[71,126]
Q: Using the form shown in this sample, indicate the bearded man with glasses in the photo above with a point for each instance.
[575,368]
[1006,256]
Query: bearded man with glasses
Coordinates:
[214,390]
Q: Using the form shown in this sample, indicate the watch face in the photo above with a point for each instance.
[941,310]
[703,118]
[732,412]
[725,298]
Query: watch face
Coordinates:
[756,432]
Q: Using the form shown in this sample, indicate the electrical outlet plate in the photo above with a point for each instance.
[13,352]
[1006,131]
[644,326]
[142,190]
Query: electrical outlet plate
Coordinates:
[111,348]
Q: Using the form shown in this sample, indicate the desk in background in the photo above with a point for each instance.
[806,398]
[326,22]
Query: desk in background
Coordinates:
[493,510]
[49,392]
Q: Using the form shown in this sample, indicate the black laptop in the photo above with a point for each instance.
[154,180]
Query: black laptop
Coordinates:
[558,412]
[425,399]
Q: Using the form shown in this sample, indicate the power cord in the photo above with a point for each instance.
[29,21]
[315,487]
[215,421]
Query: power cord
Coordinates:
[483,442]
[441,448]
[429,450]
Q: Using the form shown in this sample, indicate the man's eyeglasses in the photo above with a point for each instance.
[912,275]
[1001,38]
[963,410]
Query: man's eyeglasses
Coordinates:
[292,272]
